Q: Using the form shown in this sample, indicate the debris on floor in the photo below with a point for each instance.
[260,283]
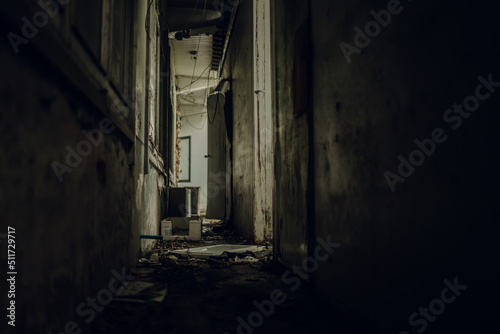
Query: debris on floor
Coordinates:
[154,258]
[141,272]
[218,250]
[219,246]
[173,257]
[133,288]
[212,260]
[246,259]
[141,292]
[210,292]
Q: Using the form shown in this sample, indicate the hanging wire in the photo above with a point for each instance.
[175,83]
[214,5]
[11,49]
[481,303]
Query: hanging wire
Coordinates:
[192,82]
[192,13]
[194,127]
[191,101]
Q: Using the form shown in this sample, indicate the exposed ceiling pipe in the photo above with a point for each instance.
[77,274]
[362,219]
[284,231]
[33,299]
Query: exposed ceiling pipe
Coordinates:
[228,35]
[182,34]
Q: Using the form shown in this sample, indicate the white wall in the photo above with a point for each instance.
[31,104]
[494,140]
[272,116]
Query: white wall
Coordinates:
[195,125]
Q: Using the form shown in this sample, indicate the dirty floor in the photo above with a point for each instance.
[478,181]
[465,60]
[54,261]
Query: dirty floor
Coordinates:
[216,296]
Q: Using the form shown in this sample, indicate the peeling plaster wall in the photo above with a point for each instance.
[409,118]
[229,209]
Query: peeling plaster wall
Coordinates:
[248,66]
[150,199]
[264,118]
[239,67]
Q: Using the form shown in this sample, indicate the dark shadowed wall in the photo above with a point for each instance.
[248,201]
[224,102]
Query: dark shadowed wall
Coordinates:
[441,223]
[397,247]
[239,67]
[73,231]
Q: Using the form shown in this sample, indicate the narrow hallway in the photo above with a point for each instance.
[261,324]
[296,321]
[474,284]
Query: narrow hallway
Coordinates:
[249,166]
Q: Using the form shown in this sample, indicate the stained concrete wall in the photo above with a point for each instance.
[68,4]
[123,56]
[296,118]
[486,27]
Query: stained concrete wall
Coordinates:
[292,140]
[239,68]
[70,235]
[398,247]
[151,179]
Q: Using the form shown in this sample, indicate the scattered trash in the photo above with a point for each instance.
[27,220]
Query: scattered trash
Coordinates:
[221,253]
[220,246]
[263,253]
[218,250]
[246,259]
[141,292]
[133,288]
[143,272]
[208,222]
[214,261]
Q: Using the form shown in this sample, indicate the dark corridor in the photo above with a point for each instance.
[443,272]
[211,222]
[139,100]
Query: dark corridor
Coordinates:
[348,183]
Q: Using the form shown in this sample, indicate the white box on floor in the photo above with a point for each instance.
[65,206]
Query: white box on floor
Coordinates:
[166,228]
[183,228]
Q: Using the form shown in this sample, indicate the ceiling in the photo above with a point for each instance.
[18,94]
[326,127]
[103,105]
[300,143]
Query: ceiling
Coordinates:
[197,31]
[192,65]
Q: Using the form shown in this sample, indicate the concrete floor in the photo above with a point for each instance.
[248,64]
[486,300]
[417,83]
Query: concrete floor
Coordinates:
[206,298]
[215,296]
[209,296]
